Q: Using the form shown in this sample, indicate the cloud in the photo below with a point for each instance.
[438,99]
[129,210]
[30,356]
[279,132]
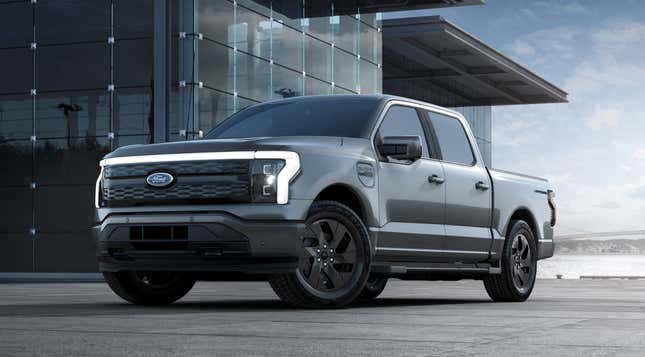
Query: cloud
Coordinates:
[604,118]
[555,7]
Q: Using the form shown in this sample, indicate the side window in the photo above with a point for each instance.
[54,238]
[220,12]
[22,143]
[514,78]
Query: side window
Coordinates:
[452,139]
[403,121]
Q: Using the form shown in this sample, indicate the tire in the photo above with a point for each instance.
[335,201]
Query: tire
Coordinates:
[335,261]
[373,288]
[150,288]
[519,266]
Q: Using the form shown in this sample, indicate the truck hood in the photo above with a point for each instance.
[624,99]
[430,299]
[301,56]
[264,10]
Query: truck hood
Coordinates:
[288,143]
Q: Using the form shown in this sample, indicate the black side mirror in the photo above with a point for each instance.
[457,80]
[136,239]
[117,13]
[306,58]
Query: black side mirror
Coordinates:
[401,147]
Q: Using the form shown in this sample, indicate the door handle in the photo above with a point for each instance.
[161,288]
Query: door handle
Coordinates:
[436,179]
[482,186]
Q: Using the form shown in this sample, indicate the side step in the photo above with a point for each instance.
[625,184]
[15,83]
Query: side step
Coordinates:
[441,268]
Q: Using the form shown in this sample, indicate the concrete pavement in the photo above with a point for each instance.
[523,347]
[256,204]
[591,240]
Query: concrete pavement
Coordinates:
[563,318]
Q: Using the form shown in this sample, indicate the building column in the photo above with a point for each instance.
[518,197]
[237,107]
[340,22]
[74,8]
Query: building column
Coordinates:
[161,69]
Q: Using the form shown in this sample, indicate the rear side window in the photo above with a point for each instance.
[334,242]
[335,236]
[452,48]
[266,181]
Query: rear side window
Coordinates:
[452,139]
[403,121]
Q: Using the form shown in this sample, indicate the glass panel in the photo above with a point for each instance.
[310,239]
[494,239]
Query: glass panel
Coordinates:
[318,27]
[19,257]
[77,66]
[183,17]
[371,19]
[78,215]
[243,103]
[485,150]
[216,20]
[50,247]
[16,209]
[344,29]
[133,18]
[133,63]
[125,140]
[403,121]
[60,21]
[253,77]
[16,155]
[253,33]
[344,69]
[15,117]
[369,42]
[261,7]
[216,63]
[286,83]
[314,87]
[452,138]
[132,111]
[214,107]
[339,90]
[369,77]
[16,24]
[72,114]
[69,161]
[317,58]
[16,71]
[287,46]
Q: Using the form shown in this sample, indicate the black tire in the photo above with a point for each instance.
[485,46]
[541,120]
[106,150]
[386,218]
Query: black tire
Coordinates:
[150,288]
[373,288]
[327,276]
[519,266]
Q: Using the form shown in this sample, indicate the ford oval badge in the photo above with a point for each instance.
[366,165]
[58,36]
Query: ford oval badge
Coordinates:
[160,179]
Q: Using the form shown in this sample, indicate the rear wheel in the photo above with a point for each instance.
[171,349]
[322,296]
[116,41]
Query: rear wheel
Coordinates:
[150,287]
[519,266]
[373,288]
[334,263]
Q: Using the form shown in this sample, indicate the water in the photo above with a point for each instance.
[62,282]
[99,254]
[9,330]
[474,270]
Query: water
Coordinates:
[572,266]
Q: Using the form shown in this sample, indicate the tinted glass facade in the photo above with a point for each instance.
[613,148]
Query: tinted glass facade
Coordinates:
[77,79]
[233,54]
[75,84]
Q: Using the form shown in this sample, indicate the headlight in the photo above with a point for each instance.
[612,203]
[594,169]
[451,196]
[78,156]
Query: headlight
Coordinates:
[265,179]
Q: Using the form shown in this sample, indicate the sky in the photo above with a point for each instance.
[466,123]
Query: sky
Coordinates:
[593,148]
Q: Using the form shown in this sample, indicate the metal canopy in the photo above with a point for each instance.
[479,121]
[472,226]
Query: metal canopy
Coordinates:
[430,59]
[318,8]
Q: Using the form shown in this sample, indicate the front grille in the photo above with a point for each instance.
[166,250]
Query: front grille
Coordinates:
[177,192]
[194,182]
[179,168]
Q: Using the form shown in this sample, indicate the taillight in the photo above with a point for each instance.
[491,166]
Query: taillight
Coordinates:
[551,196]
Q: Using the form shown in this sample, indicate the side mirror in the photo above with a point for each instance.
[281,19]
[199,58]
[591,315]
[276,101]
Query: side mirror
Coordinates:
[401,147]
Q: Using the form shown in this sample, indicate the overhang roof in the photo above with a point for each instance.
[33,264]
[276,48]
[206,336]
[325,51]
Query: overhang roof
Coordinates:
[430,59]
[318,8]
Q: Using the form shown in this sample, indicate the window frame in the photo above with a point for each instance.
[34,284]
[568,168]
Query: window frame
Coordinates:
[427,132]
[426,118]
[426,124]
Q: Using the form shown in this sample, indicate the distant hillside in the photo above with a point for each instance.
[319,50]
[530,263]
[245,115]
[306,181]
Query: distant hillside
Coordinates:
[614,246]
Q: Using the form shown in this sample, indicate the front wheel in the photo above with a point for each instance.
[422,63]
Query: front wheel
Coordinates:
[150,287]
[519,266]
[334,262]
[373,288]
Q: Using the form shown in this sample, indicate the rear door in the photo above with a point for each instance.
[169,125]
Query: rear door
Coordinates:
[468,190]
[412,208]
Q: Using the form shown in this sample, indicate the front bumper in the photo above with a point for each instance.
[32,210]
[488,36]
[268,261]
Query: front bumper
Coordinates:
[197,242]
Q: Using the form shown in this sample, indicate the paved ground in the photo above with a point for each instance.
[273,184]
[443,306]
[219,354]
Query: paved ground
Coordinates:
[564,317]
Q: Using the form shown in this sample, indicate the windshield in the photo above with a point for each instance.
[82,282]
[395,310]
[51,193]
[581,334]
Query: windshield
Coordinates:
[313,116]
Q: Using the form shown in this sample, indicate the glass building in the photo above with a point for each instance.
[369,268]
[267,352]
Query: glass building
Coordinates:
[79,78]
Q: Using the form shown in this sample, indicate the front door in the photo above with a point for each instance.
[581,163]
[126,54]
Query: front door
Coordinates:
[411,206]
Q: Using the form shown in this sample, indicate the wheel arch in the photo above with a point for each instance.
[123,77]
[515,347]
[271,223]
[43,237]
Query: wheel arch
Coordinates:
[524,214]
[348,196]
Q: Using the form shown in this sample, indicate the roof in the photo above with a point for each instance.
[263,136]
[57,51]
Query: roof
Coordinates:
[317,8]
[430,59]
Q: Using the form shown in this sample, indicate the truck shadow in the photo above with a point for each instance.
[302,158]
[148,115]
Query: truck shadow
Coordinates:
[197,307]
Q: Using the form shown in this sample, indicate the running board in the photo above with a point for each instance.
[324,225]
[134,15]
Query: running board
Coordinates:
[397,269]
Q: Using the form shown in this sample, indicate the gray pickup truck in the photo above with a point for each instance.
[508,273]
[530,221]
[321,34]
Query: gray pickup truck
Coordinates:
[326,197]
